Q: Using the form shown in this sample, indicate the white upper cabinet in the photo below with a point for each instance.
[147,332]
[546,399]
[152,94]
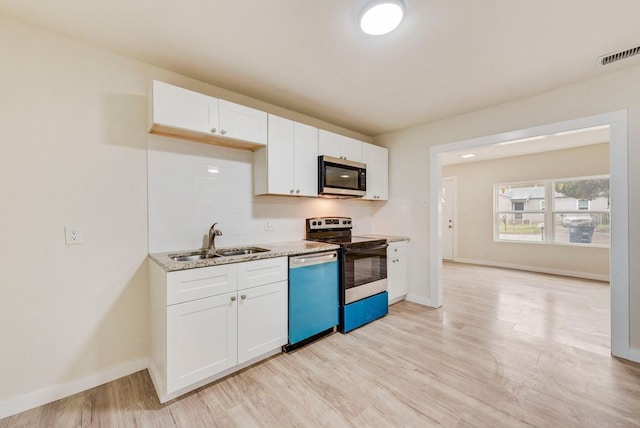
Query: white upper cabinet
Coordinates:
[182,108]
[242,123]
[377,160]
[305,159]
[289,163]
[182,113]
[339,146]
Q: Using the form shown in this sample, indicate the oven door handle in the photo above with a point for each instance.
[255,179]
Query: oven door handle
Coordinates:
[367,249]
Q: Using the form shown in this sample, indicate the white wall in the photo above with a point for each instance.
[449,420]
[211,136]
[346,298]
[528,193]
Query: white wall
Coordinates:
[475,183]
[185,199]
[74,152]
[409,163]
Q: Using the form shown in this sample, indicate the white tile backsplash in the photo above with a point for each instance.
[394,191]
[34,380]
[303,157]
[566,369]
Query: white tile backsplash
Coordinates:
[193,185]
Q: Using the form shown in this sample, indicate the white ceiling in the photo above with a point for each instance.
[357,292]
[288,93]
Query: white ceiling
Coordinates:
[543,143]
[446,58]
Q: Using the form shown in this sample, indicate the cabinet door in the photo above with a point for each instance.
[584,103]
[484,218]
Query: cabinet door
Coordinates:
[182,108]
[351,149]
[280,148]
[262,320]
[305,159]
[242,122]
[339,146]
[201,339]
[329,144]
[396,271]
[377,160]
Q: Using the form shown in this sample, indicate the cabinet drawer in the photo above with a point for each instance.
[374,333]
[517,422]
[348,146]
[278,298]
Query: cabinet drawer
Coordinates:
[397,249]
[192,284]
[261,272]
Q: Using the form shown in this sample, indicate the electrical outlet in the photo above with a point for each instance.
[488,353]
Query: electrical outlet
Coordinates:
[269,226]
[73,235]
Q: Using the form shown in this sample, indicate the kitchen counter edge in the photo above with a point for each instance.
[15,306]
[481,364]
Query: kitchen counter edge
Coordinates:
[280,249]
[389,238]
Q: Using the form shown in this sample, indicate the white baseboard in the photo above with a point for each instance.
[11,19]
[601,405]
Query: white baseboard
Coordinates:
[420,300]
[575,274]
[56,392]
[634,355]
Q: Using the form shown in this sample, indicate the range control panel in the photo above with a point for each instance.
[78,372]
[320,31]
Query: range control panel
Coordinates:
[324,223]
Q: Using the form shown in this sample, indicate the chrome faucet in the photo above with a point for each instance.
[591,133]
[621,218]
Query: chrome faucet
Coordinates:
[213,232]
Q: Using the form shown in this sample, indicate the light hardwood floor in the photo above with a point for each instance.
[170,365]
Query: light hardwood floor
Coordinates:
[508,349]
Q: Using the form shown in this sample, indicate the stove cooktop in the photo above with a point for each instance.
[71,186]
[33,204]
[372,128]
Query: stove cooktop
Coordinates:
[352,240]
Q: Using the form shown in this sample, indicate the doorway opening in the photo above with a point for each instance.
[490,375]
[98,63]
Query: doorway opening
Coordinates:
[619,264]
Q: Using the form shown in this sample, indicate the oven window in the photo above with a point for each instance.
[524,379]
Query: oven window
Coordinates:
[364,267]
[341,177]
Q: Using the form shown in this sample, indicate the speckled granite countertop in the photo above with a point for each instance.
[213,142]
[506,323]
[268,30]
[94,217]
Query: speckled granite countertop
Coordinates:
[278,249]
[389,238]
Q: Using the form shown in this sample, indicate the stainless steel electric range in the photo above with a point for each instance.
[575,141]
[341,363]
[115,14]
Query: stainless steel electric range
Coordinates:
[363,270]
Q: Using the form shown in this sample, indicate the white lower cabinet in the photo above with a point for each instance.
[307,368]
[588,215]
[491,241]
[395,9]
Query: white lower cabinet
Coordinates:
[397,271]
[262,320]
[197,341]
[201,339]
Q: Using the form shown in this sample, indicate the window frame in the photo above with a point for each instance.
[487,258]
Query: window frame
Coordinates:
[548,233]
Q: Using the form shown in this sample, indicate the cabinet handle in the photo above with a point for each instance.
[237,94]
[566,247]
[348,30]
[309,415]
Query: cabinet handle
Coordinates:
[223,132]
[291,191]
[233,298]
[395,249]
[298,191]
[214,130]
[243,296]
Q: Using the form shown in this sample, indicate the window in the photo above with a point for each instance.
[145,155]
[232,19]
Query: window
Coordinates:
[518,214]
[581,211]
[578,213]
[518,206]
[583,204]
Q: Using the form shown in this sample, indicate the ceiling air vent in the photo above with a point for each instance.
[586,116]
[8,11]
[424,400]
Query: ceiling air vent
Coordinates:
[608,59]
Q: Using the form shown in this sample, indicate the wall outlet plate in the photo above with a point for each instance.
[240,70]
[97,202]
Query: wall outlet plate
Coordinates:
[269,225]
[73,235]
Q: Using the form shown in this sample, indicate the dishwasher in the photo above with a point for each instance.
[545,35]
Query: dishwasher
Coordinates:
[313,297]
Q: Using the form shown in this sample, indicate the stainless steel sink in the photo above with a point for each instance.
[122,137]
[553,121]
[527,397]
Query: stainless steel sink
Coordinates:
[240,251]
[193,255]
[206,254]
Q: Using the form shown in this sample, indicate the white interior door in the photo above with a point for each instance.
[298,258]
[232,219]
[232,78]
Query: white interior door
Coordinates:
[448,213]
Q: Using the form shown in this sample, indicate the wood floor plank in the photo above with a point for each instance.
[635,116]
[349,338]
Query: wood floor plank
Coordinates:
[507,349]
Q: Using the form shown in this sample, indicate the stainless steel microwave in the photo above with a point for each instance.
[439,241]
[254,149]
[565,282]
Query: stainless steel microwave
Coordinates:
[341,177]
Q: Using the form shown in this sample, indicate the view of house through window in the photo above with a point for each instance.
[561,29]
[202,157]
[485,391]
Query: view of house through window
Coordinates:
[578,214]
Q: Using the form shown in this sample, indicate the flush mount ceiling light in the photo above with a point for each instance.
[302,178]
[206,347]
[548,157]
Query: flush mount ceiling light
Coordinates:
[381,16]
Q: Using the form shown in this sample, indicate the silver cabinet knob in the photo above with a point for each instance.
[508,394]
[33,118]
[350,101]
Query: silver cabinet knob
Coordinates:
[214,130]
[395,249]
[223,132]
[243,296]
[298,191]
[233,298]
[291,191]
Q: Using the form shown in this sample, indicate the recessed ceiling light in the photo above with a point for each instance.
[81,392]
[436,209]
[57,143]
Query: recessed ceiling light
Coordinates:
[381,16]
[467,156]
